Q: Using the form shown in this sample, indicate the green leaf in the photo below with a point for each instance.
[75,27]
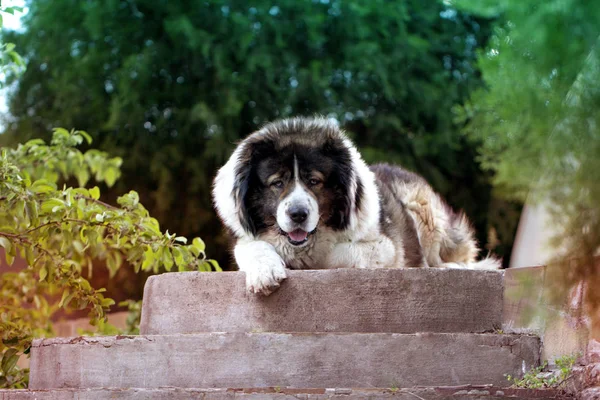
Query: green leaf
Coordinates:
[82,236]
[42,186]
[178,255]
[85,285]
[19,209]
[167,259]
[86,136]
[110,176]
[215,265]
[29,257]
[181,239]
[78,246]
[52,205]
[83,176]
[31,208]
[149,259]
[43,273]
[9,360]
[152,225]
[95,193]
[65,294]
[107,302]
[135,254]
[7,244]
[10,258]
[198,246]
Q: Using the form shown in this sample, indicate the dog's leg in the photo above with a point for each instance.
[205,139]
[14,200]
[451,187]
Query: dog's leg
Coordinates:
[264,268]
[379,253]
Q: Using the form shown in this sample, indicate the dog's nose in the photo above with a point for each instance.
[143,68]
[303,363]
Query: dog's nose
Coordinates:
[298,214]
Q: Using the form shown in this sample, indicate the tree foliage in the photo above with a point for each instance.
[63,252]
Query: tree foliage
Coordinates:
[170,86]
[58,231]
[538,121]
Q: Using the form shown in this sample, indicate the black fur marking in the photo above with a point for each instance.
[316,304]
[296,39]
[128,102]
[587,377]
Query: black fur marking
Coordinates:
[341,180]
[246,182]
[358,198]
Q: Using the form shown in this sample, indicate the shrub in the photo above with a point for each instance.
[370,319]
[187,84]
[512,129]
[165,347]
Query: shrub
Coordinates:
[59,230]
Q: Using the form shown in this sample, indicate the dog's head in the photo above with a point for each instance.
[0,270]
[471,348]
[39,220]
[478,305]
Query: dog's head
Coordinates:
[289,178]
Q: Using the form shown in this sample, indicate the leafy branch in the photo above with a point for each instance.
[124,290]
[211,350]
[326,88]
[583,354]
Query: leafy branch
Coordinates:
[60,231]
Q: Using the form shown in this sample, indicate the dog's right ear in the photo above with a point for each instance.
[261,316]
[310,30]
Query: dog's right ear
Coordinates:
[241,189]
[233,186]
[230,182]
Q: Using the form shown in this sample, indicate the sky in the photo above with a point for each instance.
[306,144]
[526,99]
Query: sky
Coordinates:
[10,22]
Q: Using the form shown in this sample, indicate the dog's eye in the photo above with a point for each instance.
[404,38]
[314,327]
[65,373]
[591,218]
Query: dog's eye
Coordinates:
[278,184]
[314,182]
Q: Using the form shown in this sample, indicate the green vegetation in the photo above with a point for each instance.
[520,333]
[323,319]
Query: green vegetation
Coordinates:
[59,231]
[538,379]
[537,121]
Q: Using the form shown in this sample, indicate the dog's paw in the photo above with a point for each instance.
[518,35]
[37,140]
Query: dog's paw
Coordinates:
[264,268]
[265,277]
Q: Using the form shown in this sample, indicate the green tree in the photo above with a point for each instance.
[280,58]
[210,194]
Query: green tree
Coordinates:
[538,121]
[170,86]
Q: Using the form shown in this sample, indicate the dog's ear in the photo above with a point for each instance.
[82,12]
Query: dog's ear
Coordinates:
[240,194]
[246,181]
[344,183]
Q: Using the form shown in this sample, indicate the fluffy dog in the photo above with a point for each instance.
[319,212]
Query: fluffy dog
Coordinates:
[297,194]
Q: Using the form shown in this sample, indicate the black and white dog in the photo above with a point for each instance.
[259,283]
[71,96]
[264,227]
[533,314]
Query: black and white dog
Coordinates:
[297,194]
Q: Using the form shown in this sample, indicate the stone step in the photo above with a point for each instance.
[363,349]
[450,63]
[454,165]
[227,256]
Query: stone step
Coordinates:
[277,393]
[214,360]
[340,300]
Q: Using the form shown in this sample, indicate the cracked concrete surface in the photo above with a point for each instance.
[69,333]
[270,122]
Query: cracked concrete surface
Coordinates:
[339,300]
[281,359]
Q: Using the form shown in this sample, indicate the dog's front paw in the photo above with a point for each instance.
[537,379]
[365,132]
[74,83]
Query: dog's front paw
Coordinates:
[264,268]
[265,277]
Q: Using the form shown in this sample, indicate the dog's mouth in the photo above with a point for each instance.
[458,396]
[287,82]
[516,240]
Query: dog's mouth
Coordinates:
[298,237]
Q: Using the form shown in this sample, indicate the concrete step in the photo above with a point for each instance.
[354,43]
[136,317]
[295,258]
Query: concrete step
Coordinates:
[214,360]
[486,392]
[340,300]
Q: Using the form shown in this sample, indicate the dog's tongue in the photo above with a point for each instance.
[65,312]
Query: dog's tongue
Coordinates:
[298,235]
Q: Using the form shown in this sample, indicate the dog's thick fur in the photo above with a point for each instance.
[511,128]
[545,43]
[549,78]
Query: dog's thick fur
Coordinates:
[297,194]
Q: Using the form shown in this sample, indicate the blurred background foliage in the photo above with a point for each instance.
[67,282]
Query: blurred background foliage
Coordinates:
[170,86]
[537,123]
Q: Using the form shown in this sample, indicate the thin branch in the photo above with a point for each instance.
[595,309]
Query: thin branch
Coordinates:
[79,196]
[40,227]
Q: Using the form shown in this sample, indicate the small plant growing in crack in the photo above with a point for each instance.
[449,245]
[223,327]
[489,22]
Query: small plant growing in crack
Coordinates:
[539,377]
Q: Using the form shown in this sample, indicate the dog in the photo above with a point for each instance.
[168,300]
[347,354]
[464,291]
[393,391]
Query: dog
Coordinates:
[297,194]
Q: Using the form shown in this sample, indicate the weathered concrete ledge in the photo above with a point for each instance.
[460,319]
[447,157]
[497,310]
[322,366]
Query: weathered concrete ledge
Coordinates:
[469,392]
[218,360]
[340,300]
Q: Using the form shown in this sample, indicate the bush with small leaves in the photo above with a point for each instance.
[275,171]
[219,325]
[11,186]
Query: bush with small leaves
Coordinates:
[59,230]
